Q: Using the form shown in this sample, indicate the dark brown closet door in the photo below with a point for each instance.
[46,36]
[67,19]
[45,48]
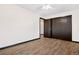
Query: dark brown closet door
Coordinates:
[47,28]
[62,28]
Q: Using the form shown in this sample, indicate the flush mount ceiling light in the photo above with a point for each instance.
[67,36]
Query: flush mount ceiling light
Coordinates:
[46,7]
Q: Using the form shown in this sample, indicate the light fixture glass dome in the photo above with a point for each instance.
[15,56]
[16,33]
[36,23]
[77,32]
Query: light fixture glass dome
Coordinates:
[46,7]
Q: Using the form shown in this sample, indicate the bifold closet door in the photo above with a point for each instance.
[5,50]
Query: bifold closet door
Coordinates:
[47,28]
[62,28]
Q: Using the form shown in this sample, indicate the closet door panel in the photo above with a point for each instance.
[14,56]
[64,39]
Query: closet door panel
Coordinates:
[47,28]
[62,28]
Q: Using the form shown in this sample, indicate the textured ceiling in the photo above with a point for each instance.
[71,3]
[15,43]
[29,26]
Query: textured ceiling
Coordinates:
[56,8]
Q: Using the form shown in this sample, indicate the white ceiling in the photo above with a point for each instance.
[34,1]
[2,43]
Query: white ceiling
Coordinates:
[56,8]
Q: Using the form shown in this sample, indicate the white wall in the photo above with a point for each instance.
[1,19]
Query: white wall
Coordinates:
[17,25]
[41,26]
[75,22]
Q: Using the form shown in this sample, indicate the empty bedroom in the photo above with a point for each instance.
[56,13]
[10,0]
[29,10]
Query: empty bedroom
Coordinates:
[39,29]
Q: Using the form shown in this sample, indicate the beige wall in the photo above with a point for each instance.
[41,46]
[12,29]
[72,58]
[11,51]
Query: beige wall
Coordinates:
[17,25]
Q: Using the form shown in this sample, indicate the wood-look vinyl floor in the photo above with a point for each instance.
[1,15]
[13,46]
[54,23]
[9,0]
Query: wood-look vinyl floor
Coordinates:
[43,46]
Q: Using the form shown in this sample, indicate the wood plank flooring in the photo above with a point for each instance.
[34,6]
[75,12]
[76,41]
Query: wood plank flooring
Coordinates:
[43,46]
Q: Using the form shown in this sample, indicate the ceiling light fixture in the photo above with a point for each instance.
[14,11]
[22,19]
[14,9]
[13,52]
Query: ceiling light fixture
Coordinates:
[46,7]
